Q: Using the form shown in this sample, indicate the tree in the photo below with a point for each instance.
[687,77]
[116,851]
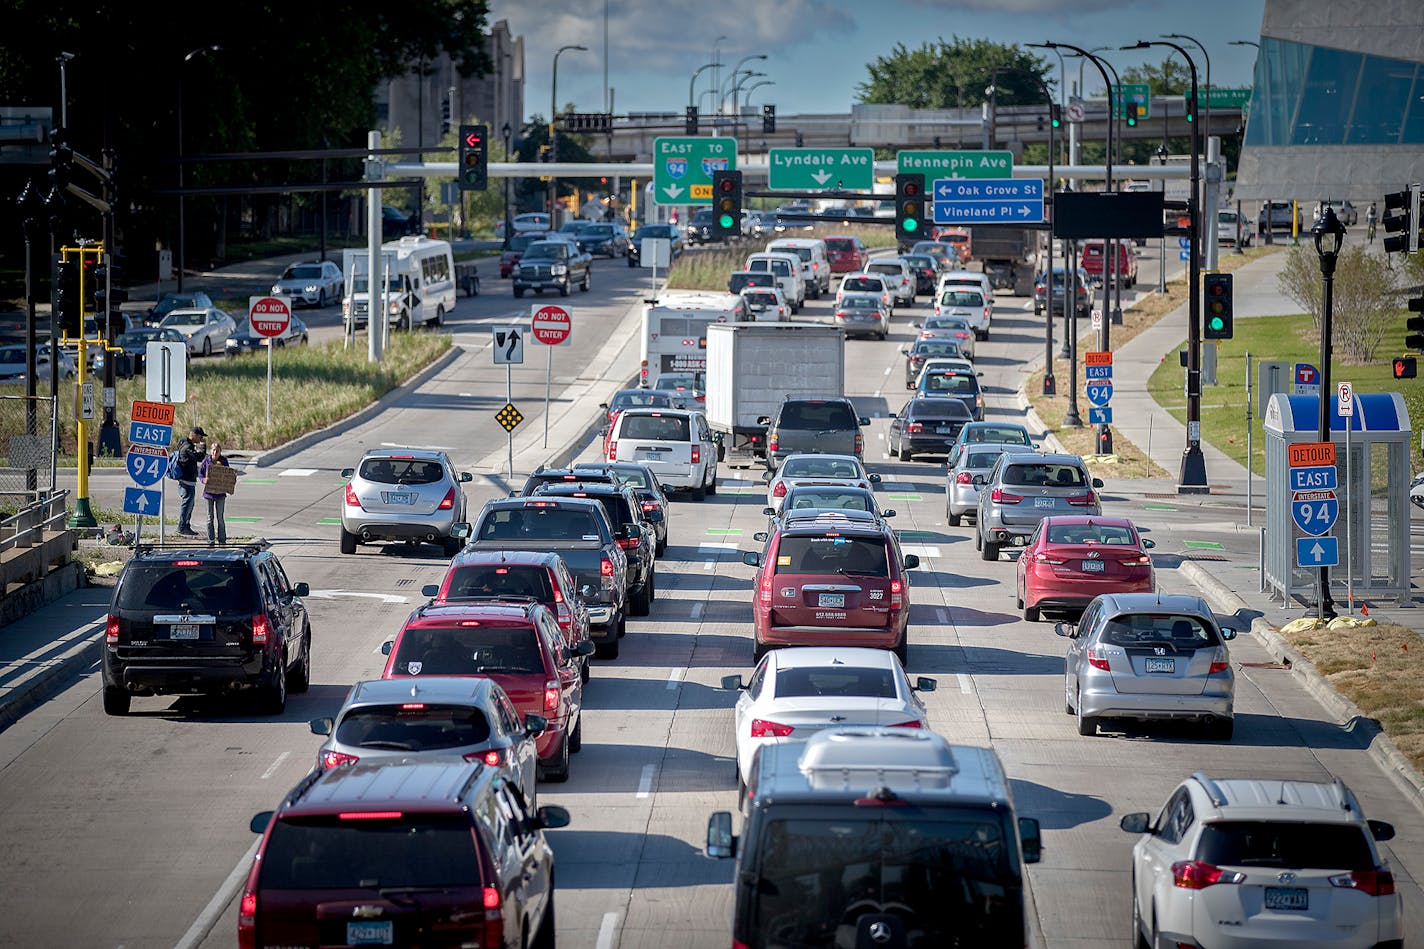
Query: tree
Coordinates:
[1171,78]
[955,74]
[1365,301]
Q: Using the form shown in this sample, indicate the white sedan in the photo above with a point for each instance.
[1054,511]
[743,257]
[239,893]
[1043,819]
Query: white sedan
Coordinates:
[799,690]
[816,469]
[206,329]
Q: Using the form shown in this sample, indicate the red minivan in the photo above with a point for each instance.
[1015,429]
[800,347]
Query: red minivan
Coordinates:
[831,580]
[515,642]
[1094,257]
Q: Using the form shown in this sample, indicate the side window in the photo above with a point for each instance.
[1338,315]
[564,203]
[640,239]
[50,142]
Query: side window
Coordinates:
[1170,823]
[758,680]
[512,814]
[510,718]
[269,587]
[279,576]
[1089,617]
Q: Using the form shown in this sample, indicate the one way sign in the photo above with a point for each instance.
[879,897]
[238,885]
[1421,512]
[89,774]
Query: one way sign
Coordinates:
[139,501]
[508,345]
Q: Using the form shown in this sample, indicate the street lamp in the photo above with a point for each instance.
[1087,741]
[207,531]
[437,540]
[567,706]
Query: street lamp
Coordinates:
[733,78]
[1329,235]
[692,83]
[508,133]
[201,49]
[1192,478]
[755,86]
[553,110]
[1241,130]
[1206,107]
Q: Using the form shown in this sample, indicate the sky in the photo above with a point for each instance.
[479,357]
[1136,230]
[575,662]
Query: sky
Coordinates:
[817,50]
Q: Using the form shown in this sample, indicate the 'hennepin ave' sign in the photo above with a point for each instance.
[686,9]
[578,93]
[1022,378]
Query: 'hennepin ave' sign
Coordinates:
[958,164]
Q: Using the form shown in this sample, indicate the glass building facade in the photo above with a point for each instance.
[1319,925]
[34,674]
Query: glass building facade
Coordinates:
[1316,95]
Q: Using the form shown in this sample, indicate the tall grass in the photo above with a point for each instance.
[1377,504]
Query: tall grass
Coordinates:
[708,269]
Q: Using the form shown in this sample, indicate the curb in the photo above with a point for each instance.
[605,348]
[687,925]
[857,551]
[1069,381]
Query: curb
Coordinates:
[282,452]
[1380,748]
[60,671]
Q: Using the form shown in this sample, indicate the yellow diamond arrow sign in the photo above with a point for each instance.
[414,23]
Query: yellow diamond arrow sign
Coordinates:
[508,417]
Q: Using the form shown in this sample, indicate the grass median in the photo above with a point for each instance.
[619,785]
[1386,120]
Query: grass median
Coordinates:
[708,270]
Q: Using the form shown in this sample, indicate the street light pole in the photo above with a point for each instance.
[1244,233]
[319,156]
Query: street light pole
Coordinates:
[692,83]
[736,95]
[507,132]
[1329,235]
[201,49]
[732,80]
[553,140]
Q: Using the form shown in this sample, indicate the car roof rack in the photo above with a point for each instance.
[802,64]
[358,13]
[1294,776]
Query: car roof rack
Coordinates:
[1213,790]
[256,545]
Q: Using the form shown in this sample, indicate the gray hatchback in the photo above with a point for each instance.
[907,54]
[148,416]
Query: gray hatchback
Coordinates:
[967,461]
[1022,489]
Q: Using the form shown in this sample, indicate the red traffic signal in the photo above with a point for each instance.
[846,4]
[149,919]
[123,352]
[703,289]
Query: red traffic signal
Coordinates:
[1405,367]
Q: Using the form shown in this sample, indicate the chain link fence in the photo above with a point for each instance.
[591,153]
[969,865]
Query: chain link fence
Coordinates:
[26,447]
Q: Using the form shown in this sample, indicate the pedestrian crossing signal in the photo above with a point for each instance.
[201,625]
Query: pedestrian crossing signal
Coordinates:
[1406,367]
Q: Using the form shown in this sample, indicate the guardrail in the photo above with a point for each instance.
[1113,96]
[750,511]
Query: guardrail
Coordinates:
[33,543]
[26,528]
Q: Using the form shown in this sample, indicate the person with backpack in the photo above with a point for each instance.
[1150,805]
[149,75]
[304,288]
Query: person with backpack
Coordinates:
[183,467]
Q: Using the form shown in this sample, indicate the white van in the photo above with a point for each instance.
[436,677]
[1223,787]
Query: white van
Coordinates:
[815,261]
[789,275]
[420,287]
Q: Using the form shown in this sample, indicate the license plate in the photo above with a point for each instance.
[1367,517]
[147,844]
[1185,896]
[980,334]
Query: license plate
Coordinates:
[1043,502]
[945,429]
[397,497]
[1292,897]
[836,600]
[1161,665]
[371,933]
[1093,566]
[646,456]
[183,632]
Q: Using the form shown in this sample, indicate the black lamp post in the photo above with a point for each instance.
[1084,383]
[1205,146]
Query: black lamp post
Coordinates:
[507,132]
[1329,235]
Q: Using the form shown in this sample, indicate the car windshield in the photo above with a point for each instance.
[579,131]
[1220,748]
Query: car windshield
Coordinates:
[1291,845]
[647,397]
[540,520]
[134,339]
[1155,629]
[656,230]
[12,356]
[188,318]
[1003,435]
[520,242]
[800,499]
[675,381]
[413,727]
[1090,534]
[468,651]
[671,428]
[1049,474]
[310,272]
[822,554]
[400,471]
[407,850]
[809,681]
[169,304]
[821,416]
[217,588]
[597,231]
[950,383]
[500,580]
[549,249]
[946,323]
[812,466]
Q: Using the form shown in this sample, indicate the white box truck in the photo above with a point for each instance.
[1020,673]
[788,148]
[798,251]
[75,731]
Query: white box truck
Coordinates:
[753,367]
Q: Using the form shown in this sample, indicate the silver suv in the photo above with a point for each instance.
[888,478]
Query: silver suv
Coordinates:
[408,494]
[1025,487]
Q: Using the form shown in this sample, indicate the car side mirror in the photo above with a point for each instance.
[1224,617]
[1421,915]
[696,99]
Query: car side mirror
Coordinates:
[979,480]
[1097,482]
[979,373]
[721,843]
[466,477]
[874,479]
[535,725]
[460,529]
[260,820]
[767,476]
[1066,630]
[1138,822]
[430,590]
[386,647]
[632,531]
[347,472]
[769,511]
[763,419]
[751,559]
[552,817]
[583,647]
[603,433]
[892,415]
[915,325]
[1381,830]
[904,352]
[760,537]
[1227,633]
[863,420]
[1030,839]
[301,588]
[733,683]
[925,684]
[603,405]
[1148,543]
[321,726]
[587,591]
[911,561]
[888,512]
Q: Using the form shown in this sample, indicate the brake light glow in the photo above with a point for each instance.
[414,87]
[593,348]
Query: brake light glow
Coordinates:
[773,442]
[859,443]
[1042,557]
[491,898]
[1000,496]
[247,920]
[1373,882]
[912,723]
[260,628]
[1134,561]
[540,504]
[897,590]
[335,759]
[558,595]
[628,543]
[494,757]
[765,592]
[963,478]
[412,706]
[111,630]
[696,454]
[1220,662]
[780,490]
[351,499]
[613,449]
[370,815]
[1098,658]
[1082,500]
[469,622]
[1198,875]
[605,569]
[449,501]
[185,563]
[761,728]
[914,428]
[649,507]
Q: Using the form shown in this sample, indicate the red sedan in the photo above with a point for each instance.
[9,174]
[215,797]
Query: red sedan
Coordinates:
[1072,558]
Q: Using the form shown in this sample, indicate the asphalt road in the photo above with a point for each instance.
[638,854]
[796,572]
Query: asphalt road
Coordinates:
[144,818]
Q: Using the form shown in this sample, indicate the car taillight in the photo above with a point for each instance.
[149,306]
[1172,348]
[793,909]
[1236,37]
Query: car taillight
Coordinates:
[897,590]
[551,695]
[494,757]
[859,443]
[494,918]
[1000,496]
[773,442]
[696,454]
[1373,882]
[761,728]
[605,570]
[449,501]
[1220,661]
[979,401]
[334,759]
[765,592]
[780,490]
[351,499]
[613,449]
[914,428]
[1198,875]
[260,629]
[111,630]
[1098,658]
[247,920]
[1042,557]
[1082,500]
[649,507]
[628,543]
[912,723]
[963,478]
[1135,561]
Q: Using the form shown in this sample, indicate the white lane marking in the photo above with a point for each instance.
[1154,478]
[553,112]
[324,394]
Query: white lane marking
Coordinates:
[297,473]
[697,609]
[921,550]
[275,765]
[467,395]
[887,369]
[964,683]
[645,783]
[884,456]
[211,913]
[333,594]
[708,565]
[880,436]
[606,930]
[674,680]
[943,615]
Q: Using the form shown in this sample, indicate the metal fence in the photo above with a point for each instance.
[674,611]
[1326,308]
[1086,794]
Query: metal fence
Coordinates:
[27,527]
[26,450]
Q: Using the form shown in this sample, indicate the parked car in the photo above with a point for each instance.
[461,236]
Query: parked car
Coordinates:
[1071,558]
[846,254]
[816,469]
[813,425]
[668,232]
[604,240]
[657,510]
[925,425]
[956,385]
[968,461]
[1149,657]
[404,494]
[1083,300]
[205,330]
[1219,866]
[246,341]
[1025,487]
[12,363]
[677,445]
[196,300]
[406,848]
[862,314]
[313,283]
[509,257]
[1228,223]
[552,265]
[1282,216]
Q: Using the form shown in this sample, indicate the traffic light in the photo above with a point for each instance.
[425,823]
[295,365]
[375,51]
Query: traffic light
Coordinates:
[1055,115]
[727,205]
[1406,367]
[1131,112]
[1191,108]
[909,207]
[64,300]
[445,116]
[105,294]
[474,157]
[768,119]
[1219,319]
[1402,229]
[689,120]
[1414,326]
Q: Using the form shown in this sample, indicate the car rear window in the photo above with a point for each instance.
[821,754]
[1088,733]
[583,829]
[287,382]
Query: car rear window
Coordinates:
[667,428]
[547,249]
[624,400]
[886,269]
[1005,436]
[822,416]
[1142,629]
[813,467]
[1045,474]
[469,650]
[862,556]
[401,471]
[803,252]
[860,303]
[821,498]
[939,409]
[539,523]
[1090,534]
[807,681]
[413,727]
[201,588]
[961,298]
[1293,845]
[331,853]
[982,459]
[840,244]
[941,347]
[951,383]
[862,284]
[615,505]
[501,580]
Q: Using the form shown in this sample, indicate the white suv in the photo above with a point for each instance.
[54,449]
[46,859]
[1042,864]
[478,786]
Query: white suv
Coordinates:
[897,274]
[676,445]
[1244,862]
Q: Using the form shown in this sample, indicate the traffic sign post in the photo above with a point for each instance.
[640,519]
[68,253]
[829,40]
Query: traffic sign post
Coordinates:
[1345,408]
[551,325]
[1314,506]
[683,166]
[1010,201]
[956,164]
[269,317]
[150,433]
[806,169]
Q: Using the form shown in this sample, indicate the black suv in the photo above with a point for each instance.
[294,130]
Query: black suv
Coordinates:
[644,483]
[206,620]
[624,510]
[699,227]
[542,476]
[390,853]
[824,426]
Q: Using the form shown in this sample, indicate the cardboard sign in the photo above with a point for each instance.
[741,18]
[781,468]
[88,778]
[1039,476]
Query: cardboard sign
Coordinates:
[221,480]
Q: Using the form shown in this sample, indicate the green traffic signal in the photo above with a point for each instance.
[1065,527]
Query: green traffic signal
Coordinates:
[911,224]
[725,221]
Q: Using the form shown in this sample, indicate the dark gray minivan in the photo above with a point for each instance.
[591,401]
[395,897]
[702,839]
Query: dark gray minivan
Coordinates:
[819,426]
[878,837]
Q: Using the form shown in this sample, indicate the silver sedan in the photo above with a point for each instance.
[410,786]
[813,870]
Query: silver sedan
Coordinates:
[205,329]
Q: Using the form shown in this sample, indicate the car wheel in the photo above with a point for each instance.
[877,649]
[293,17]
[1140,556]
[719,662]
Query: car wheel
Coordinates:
[989,551]
[1087,725]
[622,625]
[587,280]
[712,482]
[642,602]
[518,292]
[607,649]
[630,262]
[576,736]
[301,673]
[348,542]
[954,519]
[652,583]
[272,697]
[585,673]
[557,772]
[699,493]
[759,651]
[902,651]
[321,300]
[564,290]
[904,453]
[544,938]
[207,346]
[116,700]
[1031,613]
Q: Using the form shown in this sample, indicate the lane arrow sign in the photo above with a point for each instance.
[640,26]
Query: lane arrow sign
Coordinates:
[672,191]
[822,177]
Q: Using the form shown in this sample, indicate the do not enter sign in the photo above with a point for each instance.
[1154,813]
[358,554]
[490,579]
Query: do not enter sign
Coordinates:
[269,316]
[551,325]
